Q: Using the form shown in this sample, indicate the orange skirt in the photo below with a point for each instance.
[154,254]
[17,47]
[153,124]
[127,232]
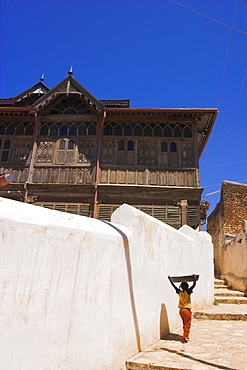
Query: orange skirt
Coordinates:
[186,316]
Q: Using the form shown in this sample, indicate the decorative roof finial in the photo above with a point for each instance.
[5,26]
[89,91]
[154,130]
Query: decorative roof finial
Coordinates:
[42,78]
[70,73]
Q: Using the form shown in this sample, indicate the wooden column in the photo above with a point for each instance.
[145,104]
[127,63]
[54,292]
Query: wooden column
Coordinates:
[184,211]
[32,161]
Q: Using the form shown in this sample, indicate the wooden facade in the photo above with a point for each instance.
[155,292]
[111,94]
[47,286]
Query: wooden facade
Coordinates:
[69,151]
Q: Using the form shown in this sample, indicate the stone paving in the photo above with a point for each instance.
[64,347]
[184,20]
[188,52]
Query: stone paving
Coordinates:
[218,340]
[213,345]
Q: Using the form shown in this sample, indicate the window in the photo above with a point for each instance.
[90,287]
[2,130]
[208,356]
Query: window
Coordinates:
[121,145]
[130,145]
[118,130]
[62,128]
[10,130]
[71,105]
[66,152]
[173,147]
[128,131]
[4,150]
[164,147]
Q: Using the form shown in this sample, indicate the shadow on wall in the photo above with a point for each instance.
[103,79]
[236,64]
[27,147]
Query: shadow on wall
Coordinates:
[130,281]
[164,324]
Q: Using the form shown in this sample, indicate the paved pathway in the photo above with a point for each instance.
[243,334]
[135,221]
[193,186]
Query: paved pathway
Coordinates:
[213,345]
[218,340]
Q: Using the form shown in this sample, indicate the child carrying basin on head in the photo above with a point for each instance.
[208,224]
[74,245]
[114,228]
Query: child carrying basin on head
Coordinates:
[184,304]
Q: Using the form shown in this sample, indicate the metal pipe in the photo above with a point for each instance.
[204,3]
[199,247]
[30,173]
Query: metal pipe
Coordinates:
[97,168]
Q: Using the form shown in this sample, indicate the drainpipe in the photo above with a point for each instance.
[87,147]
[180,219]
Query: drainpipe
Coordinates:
[31,166]
[97,168]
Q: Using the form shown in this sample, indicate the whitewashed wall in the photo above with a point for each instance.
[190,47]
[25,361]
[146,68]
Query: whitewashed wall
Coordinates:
[79,293]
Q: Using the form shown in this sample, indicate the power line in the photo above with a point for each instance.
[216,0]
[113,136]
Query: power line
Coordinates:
[224,164]
[239,181]
[212,19]
[231,121]
[227,52]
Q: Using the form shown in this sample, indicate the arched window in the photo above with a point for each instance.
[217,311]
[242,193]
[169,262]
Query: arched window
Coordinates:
[44,130]
[2,129]
[10,130]
[66,151]
[147,131]
[71,145]
[118,130]
[82,130]
[157,131]
[54,130]
[63,130]
[5,150]
[62,144]
[92,129]
[70,111]
[128,131]
[167,131]
[187,132]
[70,105]
[121,145]
[164,147]
[29,130]
[108,130]
[72,130]
[130,145]
[138,131]
[173,147]
[177,132]
[20,130]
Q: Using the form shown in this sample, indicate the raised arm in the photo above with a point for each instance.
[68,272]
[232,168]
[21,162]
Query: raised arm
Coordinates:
[194,284]
[174,286]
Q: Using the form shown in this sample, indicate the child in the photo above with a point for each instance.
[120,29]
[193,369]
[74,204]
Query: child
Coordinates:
[185,305]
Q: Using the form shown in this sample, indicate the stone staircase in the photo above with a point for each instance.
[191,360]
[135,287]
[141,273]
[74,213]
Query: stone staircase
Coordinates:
[228,304]
[213,344]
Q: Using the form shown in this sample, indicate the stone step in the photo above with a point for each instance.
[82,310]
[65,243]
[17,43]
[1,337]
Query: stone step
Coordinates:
[223,311]
[232,300]
[220,286]
[228,293]
[219,282]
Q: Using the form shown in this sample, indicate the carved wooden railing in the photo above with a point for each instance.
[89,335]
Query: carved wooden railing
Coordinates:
[116,175]
[142,176]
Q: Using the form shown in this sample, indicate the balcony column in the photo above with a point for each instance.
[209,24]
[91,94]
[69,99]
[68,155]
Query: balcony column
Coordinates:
[184,211]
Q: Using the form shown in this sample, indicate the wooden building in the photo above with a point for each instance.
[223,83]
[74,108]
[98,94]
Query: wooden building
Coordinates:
[71,152]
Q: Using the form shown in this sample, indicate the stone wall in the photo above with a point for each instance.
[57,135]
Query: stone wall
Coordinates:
[215,227]
[80,293]
[234,198]
[234,261]
[224,223]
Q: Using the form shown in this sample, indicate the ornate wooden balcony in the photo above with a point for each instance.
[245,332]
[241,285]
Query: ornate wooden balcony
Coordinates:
[114,175]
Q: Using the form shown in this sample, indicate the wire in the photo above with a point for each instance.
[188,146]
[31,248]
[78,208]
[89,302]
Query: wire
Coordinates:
[225,164]
[230,123]
[212,19]
[226,58]
[240,181]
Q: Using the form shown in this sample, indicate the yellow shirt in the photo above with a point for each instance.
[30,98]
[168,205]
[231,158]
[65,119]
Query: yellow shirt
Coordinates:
[184,300]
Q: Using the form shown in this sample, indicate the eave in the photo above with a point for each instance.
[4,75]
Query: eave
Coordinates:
[204,117]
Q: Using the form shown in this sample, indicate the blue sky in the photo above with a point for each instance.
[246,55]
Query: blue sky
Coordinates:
[156,53]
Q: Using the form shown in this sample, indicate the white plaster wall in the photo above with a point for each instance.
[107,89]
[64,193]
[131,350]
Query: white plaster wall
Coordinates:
[79,293]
